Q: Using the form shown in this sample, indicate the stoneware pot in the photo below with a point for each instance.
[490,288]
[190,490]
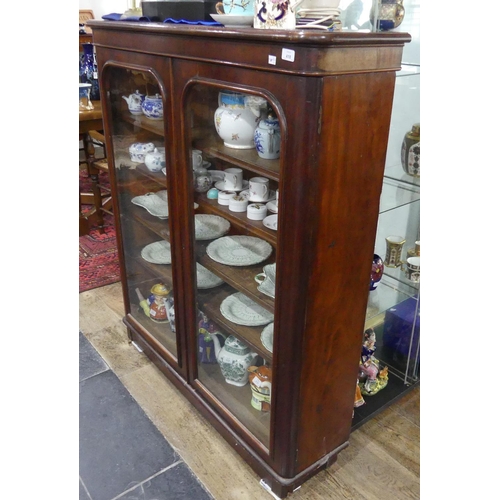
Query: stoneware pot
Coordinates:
[152,107]
[236,119]
[139,150]
[134,102]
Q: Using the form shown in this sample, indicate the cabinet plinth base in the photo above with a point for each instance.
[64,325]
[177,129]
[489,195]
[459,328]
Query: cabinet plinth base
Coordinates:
[279,485]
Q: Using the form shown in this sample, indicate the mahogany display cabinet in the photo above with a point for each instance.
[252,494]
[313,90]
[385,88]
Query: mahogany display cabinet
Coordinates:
[189,262]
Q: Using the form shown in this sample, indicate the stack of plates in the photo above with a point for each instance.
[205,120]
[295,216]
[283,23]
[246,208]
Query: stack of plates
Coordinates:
[319,18]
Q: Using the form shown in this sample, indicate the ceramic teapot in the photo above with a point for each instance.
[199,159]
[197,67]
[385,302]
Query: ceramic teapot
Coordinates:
[275,15]
[139,150]
[237,117]
[260,378]
[157,305]
[267,138]
[234,358]
[155,160]
[152,107]
[134,102]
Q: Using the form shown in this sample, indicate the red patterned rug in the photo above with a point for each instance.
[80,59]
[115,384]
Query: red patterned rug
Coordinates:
[98,252]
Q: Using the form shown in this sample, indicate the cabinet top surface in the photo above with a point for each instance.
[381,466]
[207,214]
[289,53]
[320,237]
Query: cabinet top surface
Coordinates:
[303,37]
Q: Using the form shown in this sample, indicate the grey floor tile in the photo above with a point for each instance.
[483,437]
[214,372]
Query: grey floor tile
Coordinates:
[118,442]
[176,483]
[91,362]
[83,493]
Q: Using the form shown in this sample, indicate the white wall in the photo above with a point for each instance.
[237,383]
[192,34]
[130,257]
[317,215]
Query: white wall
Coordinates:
[103,7]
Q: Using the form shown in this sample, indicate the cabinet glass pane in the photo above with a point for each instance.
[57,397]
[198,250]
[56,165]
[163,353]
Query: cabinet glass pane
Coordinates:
[235,250]
[140,176]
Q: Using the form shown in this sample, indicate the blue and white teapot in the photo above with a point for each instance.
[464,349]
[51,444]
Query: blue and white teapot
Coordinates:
[152,107]
[267,138]
[134,102]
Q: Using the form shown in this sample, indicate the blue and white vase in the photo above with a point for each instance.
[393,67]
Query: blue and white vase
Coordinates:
[88,70]
[267,138]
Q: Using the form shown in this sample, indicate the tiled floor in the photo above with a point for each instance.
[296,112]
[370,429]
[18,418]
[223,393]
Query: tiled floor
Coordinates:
[122,454]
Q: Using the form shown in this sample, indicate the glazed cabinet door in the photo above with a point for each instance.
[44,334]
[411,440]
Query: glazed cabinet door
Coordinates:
[136,100]
[233,141]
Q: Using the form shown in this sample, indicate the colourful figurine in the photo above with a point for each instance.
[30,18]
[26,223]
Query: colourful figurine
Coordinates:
[372,378]
[157,305]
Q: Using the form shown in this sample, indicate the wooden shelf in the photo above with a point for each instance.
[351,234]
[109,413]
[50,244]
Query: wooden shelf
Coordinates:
[236,400]
[209,302]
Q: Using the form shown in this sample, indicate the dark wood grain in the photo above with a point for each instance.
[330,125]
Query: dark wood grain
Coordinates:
[334,105]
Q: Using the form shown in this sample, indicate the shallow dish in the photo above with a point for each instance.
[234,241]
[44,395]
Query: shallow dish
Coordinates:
[205,278]
[220,186]
[208,227]
[272,206]
[157,252]
[216,175]
[271,222]
[155,203]
[233,20]
[242,310]
[267,335]
[239,250]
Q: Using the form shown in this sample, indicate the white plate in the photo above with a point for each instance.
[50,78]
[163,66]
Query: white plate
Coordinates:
[155,203]
[239,250]
[266,337]
[271,222]
[272,207]
[242,310]
[157,252]
[206,278]
[220,186]
[208,227]
[164,170]
[233,20]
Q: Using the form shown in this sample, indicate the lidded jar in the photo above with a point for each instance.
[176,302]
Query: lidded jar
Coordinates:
[152,107]
[410,151]
[202,179]
[155,160]
[267,137]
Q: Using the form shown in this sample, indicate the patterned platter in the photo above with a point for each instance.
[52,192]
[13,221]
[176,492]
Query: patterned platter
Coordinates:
[239,250]
[266,337]
[206,278]
[209,227]
[155,203]
[157,252]
[242,310]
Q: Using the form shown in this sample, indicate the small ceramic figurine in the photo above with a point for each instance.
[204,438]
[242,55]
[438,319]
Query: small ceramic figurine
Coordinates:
[372,378]
[234,358]
[206,348]
[260,378]
[157,305]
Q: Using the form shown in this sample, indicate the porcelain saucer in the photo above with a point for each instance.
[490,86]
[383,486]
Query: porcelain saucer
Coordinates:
[271,222]
[272,207]
[220,186]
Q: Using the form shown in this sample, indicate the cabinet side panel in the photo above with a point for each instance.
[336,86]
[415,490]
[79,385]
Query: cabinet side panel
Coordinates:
[356,111]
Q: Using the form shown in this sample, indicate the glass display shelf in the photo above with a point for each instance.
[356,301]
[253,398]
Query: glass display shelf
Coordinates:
[396,194]
[408,69]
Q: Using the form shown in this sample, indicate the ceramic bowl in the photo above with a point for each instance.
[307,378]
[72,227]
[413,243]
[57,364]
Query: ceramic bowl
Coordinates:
[238,203]
[223,197]
[256,211]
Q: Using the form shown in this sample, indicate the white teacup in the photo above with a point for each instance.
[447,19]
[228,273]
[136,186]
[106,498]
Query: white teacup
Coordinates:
[259,189]
[196,158]
[413,269]
[233,179]
[267,280]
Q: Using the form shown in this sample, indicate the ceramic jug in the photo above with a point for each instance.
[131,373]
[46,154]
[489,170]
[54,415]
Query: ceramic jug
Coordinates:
[275,15]
[152,107]
[134,102]
[260,378]
[236,119]
[234,358]
[267,138]
[155,160]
